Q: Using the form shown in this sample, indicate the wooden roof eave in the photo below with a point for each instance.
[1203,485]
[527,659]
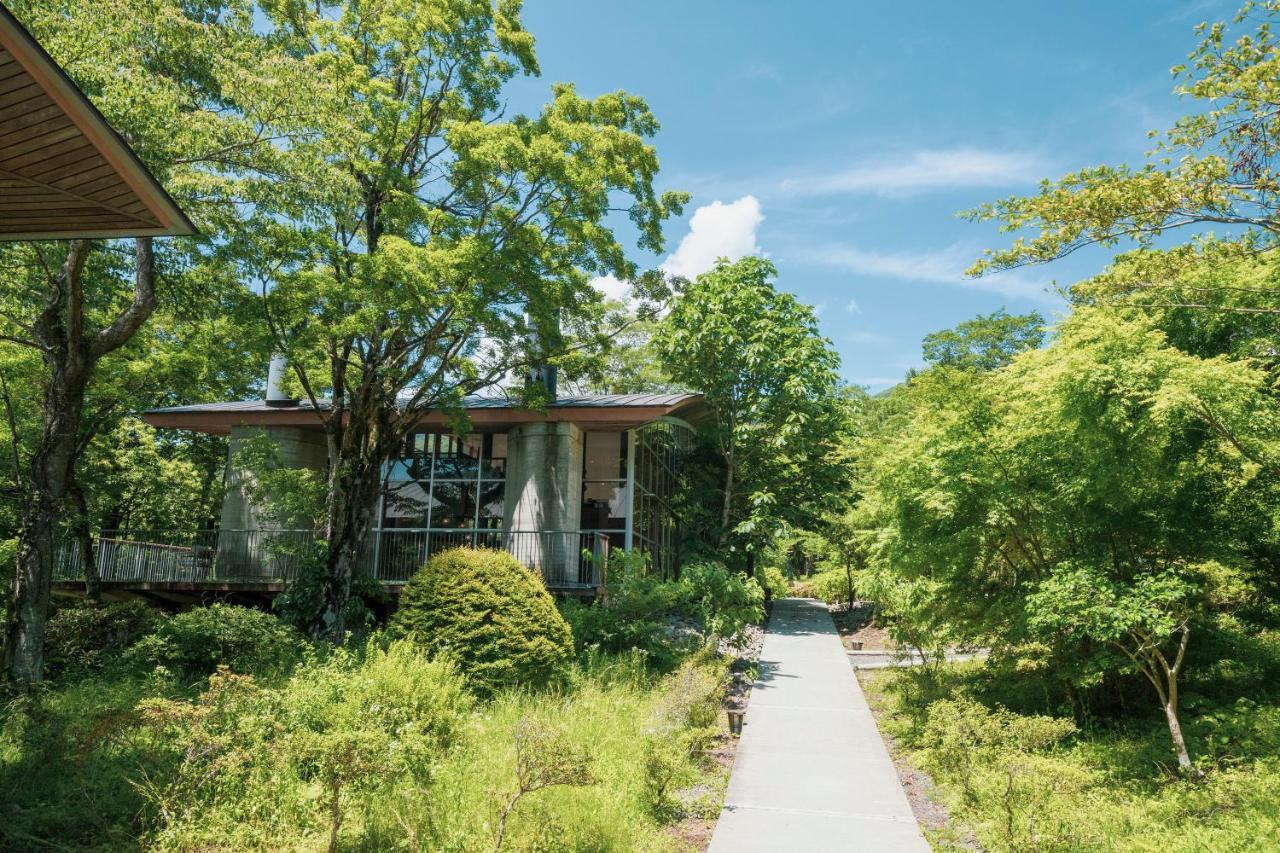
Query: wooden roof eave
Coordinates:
[165,217]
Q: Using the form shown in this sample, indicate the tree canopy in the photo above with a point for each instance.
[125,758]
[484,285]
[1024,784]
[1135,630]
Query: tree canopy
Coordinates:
[770,383]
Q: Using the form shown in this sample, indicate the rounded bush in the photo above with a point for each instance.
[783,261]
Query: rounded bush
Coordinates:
[87,636]
[489,613]
[195,643]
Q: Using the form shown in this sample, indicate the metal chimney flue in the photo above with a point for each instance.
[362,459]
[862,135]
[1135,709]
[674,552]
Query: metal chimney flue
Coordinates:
[276,396]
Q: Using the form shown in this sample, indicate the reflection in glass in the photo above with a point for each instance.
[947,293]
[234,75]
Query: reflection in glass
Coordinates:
[405,505]
[492,504]
[453,504]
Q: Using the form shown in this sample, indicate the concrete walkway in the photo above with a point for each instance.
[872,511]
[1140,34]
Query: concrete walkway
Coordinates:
[811,772]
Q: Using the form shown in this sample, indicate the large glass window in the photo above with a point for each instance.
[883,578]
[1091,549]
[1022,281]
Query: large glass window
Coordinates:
[446,482]
[444,491]
[604,481]
[660,448]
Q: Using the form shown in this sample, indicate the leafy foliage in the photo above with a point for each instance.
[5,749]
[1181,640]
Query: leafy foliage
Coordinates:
[88,637]
[1065,499]
[257,762]
[372,747]
[985,342]
[192,645]
[488,612]
[769,380]
[726,601]
[416,243]
[1015,778]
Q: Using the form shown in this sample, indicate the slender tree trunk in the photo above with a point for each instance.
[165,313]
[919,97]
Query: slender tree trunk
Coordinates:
[1163,675]
[83,537]
[1175,733]
[726,509]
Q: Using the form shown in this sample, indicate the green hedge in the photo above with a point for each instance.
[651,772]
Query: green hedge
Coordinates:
[489,613]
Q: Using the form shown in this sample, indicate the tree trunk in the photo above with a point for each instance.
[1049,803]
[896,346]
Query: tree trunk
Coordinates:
[83,537]
[1179,743]
[32,581]
[726,509]
[1163,675]
[356,462]
[69,355]
[51,477]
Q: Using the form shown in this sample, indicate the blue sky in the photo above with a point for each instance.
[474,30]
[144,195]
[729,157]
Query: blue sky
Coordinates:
[840,139]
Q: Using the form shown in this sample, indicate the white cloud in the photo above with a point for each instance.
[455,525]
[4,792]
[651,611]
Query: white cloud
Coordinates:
[717,230]
[853,307]
[611,287]
[761,71]
[925,170]
[940,266]
[862,336]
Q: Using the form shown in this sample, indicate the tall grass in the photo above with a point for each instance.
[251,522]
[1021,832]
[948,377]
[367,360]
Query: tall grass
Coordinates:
[1028,782]
[381,748]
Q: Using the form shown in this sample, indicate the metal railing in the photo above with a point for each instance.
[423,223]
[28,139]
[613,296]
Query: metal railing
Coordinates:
[564,559]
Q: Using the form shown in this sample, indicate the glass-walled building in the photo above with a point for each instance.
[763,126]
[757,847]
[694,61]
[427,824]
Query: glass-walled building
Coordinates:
[556,488]
[450,490]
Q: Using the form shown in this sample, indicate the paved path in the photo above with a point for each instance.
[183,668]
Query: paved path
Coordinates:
[812,773]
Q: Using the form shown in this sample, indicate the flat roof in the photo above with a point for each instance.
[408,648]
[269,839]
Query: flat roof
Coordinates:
[598,411]
[64,171]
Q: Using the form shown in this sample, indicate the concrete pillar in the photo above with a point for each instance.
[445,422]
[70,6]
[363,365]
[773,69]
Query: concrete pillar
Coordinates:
[241,540]
[544,494]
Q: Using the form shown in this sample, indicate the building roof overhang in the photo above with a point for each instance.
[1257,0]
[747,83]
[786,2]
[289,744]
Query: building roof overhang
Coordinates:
[64,171]
[594,412]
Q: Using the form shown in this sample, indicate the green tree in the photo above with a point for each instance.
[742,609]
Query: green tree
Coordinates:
[986,342]
[1067,501]
[413,243]
[1213,169]
[770,383]
[151,69]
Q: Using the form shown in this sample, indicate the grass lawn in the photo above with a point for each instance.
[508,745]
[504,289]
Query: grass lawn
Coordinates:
[1039,782]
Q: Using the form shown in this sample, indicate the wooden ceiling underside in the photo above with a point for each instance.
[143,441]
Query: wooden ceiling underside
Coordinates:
[64,172]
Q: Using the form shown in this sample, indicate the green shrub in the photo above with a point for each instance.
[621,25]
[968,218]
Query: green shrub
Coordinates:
[88,636]
[684,724]
[961,734]
[597,625]
[803,588]
[727,602]
[832,586]
[73,744]
[488,612]
[291,766]
[635,612]
[614,711]
[775,582]
[192,645]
